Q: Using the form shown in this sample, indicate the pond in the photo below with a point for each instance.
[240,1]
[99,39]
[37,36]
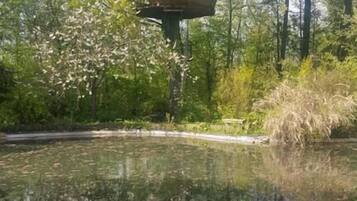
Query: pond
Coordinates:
[159,169]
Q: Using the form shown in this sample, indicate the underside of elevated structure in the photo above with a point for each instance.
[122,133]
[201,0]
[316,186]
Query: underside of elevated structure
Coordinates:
[186,9]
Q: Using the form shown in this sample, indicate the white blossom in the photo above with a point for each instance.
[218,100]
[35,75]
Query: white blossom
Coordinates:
[90,43]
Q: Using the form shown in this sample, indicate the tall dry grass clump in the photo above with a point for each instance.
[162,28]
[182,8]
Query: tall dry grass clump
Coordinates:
[309,107]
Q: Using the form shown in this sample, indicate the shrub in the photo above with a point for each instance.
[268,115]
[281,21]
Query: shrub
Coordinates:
[234,91]
[7,116]
[6,81]
[310,107]
[238,88]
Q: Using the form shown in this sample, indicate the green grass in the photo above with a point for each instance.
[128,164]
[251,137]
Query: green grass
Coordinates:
[202,127]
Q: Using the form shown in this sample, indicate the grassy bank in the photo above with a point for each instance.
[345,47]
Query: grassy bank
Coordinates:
[201,127]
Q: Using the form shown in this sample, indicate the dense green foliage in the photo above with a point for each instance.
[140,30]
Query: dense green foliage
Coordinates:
[85,60]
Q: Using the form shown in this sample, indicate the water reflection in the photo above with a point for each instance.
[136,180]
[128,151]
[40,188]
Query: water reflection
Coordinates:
[166,169]
[311,174]
[174,189]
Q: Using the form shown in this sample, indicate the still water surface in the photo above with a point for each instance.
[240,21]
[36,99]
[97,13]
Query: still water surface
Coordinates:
[158,169]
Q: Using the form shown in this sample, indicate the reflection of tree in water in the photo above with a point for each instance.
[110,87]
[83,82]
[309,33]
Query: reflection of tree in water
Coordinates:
[3,193]
[169,189]
[307,175]
[131,171]
[149,178]
[148,170]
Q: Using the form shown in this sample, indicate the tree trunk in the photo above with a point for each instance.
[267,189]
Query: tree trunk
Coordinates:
[6,81]
[209,80]
[342,51]
[171,29]
[278,32]
[94,99]
[284,39]
[187,52]
[348,7]
[300,23]
[134,111]
[314,26]
[306,30]
[285,33]
[238,40]
[229,35]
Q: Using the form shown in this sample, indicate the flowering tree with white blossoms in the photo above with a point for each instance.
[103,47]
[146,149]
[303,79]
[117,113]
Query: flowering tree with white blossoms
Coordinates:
[94,39]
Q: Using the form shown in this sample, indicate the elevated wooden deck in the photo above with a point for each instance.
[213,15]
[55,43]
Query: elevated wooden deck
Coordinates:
[186,9]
